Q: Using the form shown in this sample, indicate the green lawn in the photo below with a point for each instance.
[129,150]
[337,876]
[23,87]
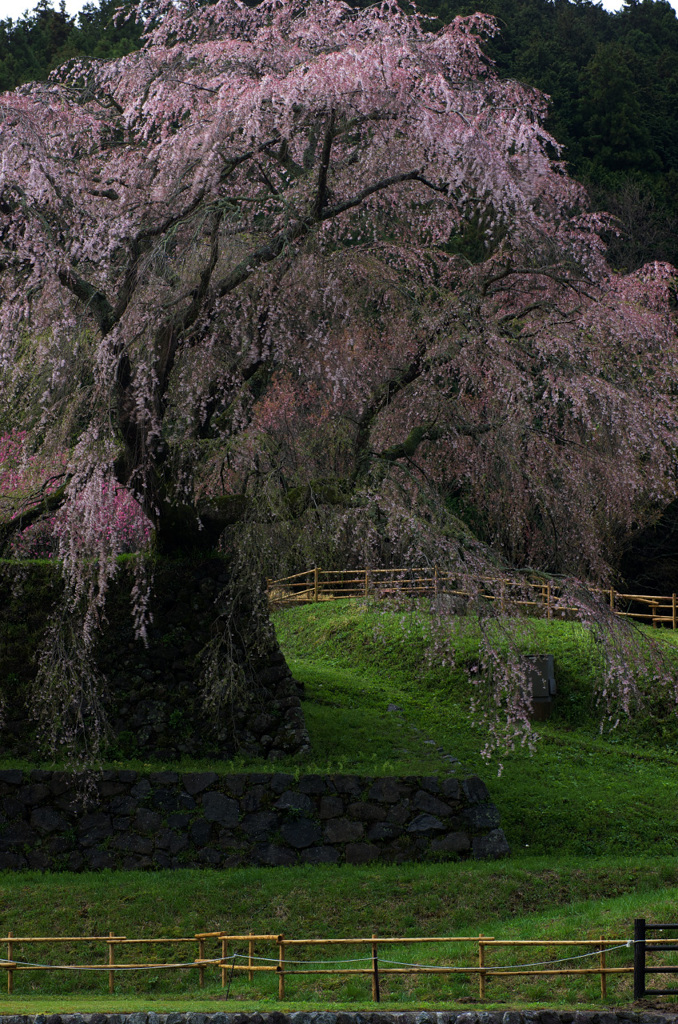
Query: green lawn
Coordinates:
[581,793]
[590,817]
[514,899]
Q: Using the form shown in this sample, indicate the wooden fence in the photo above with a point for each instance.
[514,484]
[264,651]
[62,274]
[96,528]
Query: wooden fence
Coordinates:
[283,956]
[543,598]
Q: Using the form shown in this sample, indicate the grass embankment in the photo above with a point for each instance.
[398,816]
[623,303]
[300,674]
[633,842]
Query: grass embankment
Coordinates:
[580,798]
[511,899]
[581,793]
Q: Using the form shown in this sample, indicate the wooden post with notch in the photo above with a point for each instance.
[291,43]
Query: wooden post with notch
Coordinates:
[250,952]
[603,975]
[111,961]
[10,972]
[481,964]
[375,972]
[281,965]
[201,969]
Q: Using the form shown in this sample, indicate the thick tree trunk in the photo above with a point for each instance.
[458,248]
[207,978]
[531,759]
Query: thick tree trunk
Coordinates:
[210,681]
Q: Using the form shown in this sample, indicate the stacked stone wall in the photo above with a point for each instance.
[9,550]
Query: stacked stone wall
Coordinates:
[155,692]
[536,1016]
[133,820]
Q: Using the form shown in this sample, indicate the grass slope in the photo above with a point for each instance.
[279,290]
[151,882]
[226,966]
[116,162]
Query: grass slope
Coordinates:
[582,793]
[375,704]
[510,899]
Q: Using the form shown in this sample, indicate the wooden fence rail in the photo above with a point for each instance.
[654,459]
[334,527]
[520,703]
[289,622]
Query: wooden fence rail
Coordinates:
[283,956]
[544,597]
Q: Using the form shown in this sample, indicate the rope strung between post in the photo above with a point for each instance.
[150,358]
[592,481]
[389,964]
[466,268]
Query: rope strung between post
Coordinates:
[309,963]
[514,967]
[108,967]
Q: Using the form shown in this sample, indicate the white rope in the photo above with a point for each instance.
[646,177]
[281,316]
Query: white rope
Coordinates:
[109,967]
[513,967]
[156,967]
[314,963]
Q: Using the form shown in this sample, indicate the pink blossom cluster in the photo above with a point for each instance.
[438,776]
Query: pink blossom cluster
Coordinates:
[23,481]
[242,261]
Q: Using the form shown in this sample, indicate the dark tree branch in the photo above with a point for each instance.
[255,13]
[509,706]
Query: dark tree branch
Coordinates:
[320,198]
[407,449]
[91,297]
[47,503]
[384,394]
[299,229]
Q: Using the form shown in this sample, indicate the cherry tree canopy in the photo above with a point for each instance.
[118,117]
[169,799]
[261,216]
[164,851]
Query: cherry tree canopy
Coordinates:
[300,242]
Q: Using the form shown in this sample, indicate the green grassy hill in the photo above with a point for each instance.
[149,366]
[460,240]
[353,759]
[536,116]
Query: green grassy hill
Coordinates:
[582,793]
[540,898]
[590,818]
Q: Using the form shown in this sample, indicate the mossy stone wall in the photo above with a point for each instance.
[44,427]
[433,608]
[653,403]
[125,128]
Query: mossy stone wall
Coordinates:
[154,692]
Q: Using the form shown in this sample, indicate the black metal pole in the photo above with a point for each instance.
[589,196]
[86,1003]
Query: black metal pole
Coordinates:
[639,958]
[230,979]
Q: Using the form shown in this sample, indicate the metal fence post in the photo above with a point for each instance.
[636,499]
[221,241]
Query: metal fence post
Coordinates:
[375,972]
[639,958]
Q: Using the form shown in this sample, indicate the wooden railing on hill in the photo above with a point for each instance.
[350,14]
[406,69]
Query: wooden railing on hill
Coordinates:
[543,597]
[286,957]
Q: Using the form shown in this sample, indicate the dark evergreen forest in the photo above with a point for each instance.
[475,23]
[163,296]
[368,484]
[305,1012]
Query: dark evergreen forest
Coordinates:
[33,45]
[612,78]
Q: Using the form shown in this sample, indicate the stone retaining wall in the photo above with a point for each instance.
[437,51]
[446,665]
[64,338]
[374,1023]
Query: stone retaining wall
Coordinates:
[154,692]
[172,820]
[367,1017]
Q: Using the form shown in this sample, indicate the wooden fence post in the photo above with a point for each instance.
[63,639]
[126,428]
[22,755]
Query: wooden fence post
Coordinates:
[250,951]
[611,599]
[315,583]
[548,600]
[201,956]
[10,972]
[224,951]
[673,611]
[603,975]
[481,964]
[281,966]
[375,972]
[111,961]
